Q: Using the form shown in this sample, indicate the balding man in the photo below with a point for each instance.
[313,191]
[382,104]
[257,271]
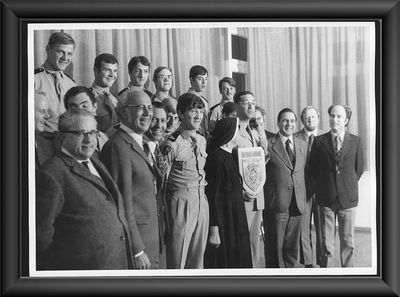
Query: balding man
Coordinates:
[336,165]
[80,221]
[126,156]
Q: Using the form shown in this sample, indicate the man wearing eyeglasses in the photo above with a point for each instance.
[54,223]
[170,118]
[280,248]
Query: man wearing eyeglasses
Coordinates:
[126,156]
[80,221]
[285,194]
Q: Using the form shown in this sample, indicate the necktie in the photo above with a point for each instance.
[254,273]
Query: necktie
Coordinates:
[310,143]
[290,152]
[194,144]
[338,145]
[161,163]
[57,83]
[85,163]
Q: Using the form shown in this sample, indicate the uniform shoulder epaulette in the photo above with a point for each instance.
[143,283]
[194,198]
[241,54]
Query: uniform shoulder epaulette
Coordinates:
[69,77]
[39,70]
[120,92]
[214,107]
[174,136]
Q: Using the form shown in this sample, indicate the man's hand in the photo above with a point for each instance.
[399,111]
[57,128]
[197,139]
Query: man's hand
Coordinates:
[213,237]
[141,262]
[249,197]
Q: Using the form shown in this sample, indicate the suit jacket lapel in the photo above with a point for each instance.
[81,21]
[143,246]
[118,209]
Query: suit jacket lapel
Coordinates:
[346,145]
[326,141]
[81,171]
[280,150]
[135,146]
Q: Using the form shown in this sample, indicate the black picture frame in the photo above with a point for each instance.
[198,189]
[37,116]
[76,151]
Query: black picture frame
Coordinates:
[16,14]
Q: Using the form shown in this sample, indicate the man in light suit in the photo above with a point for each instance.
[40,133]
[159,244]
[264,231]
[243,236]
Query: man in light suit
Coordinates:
[126,156]
[80,219]
[336,164]
[285,194]
[245,106]
[310,121]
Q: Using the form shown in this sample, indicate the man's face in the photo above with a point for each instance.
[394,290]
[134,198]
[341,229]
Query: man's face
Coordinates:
[139,75]
[138,112]
[41,112]
[259,119]
[227,91]
[60,56]
[199,83]
[81,146]
[158,124]
[191,119]
[338,119]
[164,80]
[246,107]
[106,75]
[83,101]
[172,122]
[310,119]
[287,123]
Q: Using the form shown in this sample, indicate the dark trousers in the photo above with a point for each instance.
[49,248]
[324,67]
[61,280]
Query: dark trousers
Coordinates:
[282,238]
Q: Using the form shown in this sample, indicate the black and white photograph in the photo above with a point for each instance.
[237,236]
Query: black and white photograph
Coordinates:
[170,149]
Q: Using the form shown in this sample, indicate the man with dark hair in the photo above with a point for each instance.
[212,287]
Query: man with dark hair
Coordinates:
[80,218]
[336,165]
[126,156]
[82,97]
[105,71]
[139,71]
[310,120]
[185,152]
[50,77]
[198,76]
[285,194]
[172,115]
[245,105]
[227,88]
[163,81]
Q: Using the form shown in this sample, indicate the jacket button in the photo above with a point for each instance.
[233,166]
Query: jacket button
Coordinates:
[338,172]
[122,238]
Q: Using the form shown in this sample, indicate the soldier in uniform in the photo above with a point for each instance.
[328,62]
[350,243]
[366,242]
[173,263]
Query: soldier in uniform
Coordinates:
[51,79]
[105,73]
[138,70]
[198,76]
[227,88]
[185,152]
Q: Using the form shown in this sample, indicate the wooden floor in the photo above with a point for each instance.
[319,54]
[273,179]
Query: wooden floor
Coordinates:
[362,253]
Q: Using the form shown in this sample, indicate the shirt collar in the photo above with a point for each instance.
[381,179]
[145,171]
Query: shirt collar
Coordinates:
[64,150]
[52,71]
[315,132]
[341,135]
[100,90]
[137,137]
[285,138]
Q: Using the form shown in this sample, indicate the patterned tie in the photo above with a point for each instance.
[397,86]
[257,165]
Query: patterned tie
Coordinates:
[161,163]
[338,145]
[290,152]
[57,83]
[194,145]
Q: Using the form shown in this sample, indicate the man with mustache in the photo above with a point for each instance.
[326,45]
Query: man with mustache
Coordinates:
[51,79]
[126,156]
[105,71]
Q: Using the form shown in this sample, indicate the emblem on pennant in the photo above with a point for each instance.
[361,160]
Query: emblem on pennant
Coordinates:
[252,168]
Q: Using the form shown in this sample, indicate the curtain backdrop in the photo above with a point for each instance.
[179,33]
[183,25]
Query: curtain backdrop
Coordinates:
[287,67]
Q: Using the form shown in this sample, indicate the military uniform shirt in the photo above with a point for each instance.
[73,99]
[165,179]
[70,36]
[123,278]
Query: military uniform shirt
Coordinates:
[186,162]
[45,82]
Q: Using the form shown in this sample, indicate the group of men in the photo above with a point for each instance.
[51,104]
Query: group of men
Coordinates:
[120,180]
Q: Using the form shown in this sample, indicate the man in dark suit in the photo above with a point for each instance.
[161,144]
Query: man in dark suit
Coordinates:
[127,158]
[310,121]
[285,194]
[336,165]
[80,222]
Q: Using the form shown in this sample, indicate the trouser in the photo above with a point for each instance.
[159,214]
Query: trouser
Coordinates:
[346,222]
[317,218]
[254,222]
[189,220]
[282,238]
[306,249]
